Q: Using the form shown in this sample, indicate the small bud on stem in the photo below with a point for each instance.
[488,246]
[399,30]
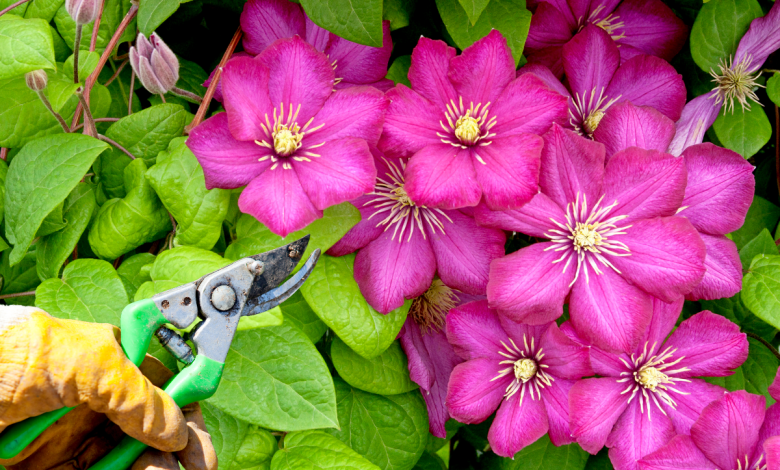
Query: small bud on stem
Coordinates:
[155,64]
[36,80]
[82,11]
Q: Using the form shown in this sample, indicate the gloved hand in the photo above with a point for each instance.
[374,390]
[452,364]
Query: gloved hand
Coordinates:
[47,363]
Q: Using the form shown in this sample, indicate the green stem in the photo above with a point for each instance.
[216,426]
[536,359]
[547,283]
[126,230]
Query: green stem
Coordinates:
[765,343]
[12,6]
[79,28]
[52,111]
[89,123]
[186,94]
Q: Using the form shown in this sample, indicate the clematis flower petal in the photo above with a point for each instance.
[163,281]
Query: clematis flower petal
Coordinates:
[475,331]
[218,90]
[720,189]
[443,176]
[519,422]
[605,364]
[245,96]
[697,116]
[352,112]
[464,252]
[772,452]
[607,311]
[770,431]
[359,64]
[509,176]
[472,395]
[695,396]
[626,125]
[277,199]
[680,452]
[590,60]
[545,75]
[761,39]
[265,21]
[343,171]
[532,219]
[774,387]
[595,405]
[528,105]
[364,232]
[318,37]
[649,81]
[727,429]
[550,28]
[226,162]
[590,9]
[378,264]
[556,403]
[711,345]
[526,285]
[570,165]
[638,433]
[651,27]
[667,257]
[723,275]
[299,75]
[428,72]
[483,70]
[665,315]
[564,358]
[411,123]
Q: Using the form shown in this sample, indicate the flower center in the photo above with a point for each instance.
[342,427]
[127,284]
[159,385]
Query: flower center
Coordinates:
[402,213]
[525,363]
[651,378]
[467,129]
[525,369]
[759,465]
[735,82]
[467,126]
[430,309]
[593,120]
[588,234]
[609,23]
[286,141]
[587,111]
[284,138]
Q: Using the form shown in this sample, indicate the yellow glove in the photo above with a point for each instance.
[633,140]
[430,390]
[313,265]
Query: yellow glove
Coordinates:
[48,363]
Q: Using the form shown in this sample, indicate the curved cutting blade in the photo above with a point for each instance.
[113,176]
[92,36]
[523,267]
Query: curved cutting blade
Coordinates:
[276,296]
[277,265]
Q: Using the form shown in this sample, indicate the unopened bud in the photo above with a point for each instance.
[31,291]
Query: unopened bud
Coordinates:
[36,80]
[154,63]
[83,11]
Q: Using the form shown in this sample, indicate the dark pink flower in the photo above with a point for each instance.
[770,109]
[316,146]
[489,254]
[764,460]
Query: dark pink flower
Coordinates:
[615,241]
[597,80]
[402,245]
[735,432]
[525,371]
[717,196]
[299,146]
[468,125]
[642,400]
[637,26]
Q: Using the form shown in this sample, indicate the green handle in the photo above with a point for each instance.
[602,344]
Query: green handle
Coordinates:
[196,382]
[139,322]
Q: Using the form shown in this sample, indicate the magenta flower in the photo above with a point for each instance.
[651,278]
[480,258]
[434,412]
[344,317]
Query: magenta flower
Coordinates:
[735,432]
[299,146]
[614,241]
[637,26]
[265,21]
[597,81]
[735,81]
[717,196]
[525,371]
[640,401]
[402,245]
[468,125]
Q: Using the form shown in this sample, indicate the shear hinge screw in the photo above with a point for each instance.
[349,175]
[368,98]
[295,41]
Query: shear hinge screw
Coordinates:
[223,298]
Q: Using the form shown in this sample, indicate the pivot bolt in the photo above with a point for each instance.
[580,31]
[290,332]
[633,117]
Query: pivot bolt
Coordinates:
[223,298]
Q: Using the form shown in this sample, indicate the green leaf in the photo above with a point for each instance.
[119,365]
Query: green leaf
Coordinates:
[148,132]
[718,28]
[761,214]
[734,309]
[88,61]
[743,131]
[90,290]
[399,71]
[3,178]
[124,224]
[358,21]
[25,45]
[543,455]
[473,8]
[20,278]
[132,273]
[761,289]
[191,77]
[397,12]
[386,374]
[773,88]
[44,9]
[179,182]
[430,461]
[39,178]
[59,90]
[254,237]
[17,11]
[298,312]
[315,450]
[600,461]
[52,223]
[152,13]
[110,171]
[390,431]
[275,378]
[762,244]
[510,17]
[239,445]
[52,250]
[113,13]
[754,375]
[333,294]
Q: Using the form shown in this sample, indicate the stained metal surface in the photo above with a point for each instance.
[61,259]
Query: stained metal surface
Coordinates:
[175,345]
[179,305]
[276,296]
[278,264]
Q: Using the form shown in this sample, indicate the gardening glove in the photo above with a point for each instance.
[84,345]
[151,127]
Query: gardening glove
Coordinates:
[48,363]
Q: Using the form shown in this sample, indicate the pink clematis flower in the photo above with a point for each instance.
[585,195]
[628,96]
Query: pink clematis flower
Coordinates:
[717,197]
[614,241]
[402,244]
[299,146]
[735,432]
[523,370]
[642,400]
[735,81]
[469,126]
[597,81]
[265,21]
[637,26]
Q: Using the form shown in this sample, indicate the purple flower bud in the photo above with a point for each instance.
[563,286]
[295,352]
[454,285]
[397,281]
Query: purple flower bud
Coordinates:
[154,63]
[83,11]
[36,80]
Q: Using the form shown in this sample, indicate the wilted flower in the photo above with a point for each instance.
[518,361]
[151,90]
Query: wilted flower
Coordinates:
[154,63]
[83,11]
[299,146]
[36,80]
[525,371]
[643,399]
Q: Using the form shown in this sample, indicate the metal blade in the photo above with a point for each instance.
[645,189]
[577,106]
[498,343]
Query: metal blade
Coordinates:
[277,265]
[276,296]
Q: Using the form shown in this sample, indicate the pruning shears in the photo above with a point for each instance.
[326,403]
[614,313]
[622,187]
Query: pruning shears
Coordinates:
[247,287]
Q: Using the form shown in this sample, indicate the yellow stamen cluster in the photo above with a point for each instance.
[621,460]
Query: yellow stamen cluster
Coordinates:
[525,369]
[285,138]
[430,309]
[469,125]
[735,82]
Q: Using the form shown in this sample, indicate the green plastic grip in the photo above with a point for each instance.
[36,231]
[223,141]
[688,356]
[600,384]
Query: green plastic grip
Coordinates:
[18,436]
[196,382]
